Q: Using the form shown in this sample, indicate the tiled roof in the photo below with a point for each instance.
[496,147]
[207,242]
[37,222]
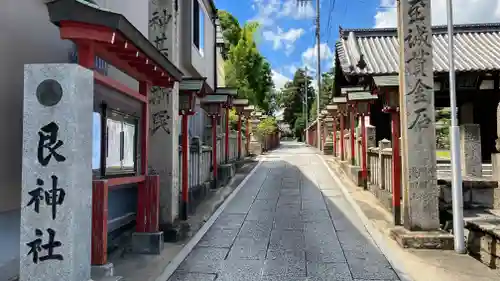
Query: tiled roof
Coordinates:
[477,48]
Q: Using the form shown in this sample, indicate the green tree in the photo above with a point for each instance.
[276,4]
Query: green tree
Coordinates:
[267,126]
[443,122]
[326,93]
[246,69]
[292,98]
[230,30]
[299,127]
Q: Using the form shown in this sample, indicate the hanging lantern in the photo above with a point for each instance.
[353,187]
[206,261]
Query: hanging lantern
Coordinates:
[391,101]
[187,102]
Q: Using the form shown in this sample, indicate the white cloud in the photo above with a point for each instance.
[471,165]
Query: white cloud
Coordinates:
[281,38]
[265,10]
[291,9]
[269,10]
[464,12]
[310,57]
[291,69]
[279,79]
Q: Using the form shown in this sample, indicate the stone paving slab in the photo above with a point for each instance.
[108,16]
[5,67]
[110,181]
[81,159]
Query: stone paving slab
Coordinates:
[288,222]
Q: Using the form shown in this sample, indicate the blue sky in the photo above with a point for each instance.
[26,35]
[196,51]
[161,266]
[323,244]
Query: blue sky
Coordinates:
[287,34]
[286,37]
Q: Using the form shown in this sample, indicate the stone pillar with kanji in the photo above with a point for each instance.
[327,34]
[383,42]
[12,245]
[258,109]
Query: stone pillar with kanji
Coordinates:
[164,130]
[56,204]
[421,194]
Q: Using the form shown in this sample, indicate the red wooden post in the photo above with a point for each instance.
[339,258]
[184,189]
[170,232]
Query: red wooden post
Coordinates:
[239,136]
[86,55]
[335,137]
[353,141]
[396,169]
[342,148]
[153,208]
[99,250]
[142,192]
[364,171]
[227,135]
[185,167]
[247,133]
[214,149]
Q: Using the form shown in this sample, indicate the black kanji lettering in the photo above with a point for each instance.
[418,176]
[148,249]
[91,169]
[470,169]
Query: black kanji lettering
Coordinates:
[36,247]
[48,141]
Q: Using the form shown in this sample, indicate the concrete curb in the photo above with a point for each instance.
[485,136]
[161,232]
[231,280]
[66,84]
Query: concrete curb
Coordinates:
[179,258]
[376,236]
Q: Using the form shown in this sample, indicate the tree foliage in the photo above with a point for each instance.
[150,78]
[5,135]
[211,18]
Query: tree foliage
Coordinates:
[292,97]
[267,126]
[443,122]
[326,93]
[245,68]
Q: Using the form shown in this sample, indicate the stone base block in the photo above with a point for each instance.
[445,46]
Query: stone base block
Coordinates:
[101,271]
[383,196]
[225,173]
[435,240]
[354,173]
[483,242]
[255,148]
[174,232]
[112,278]
[476,194]
[147,243]
[328,148]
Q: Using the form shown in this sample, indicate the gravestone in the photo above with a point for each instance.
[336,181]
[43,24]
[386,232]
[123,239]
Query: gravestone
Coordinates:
[56,204]
[418,122]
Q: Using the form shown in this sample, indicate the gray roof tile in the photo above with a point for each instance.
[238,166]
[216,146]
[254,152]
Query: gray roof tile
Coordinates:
[477,48]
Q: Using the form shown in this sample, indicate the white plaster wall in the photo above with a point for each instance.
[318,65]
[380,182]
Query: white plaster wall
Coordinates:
[20,43]
[191,61]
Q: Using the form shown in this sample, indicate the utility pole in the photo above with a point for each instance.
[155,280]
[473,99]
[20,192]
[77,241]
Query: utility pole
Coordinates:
[456,169]
[318,77]
[318,70]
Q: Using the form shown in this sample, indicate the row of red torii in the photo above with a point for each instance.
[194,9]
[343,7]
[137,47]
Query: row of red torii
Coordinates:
[110,36]
[354,103]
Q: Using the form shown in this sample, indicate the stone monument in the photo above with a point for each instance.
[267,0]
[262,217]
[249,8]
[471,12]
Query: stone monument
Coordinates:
[470,148]
[418,122]
[56,204]
[419,178]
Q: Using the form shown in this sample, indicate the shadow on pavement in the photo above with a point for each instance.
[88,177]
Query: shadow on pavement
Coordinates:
[288,222]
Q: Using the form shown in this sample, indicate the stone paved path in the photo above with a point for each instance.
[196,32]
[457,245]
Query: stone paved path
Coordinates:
[289,222]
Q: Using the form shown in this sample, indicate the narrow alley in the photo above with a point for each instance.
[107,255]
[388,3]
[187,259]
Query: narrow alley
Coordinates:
[287,222]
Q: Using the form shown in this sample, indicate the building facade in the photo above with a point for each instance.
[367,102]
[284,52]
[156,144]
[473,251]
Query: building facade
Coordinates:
[188,38]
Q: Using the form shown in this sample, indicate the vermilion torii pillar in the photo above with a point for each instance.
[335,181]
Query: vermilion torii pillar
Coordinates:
[189,88]
[391,106]
[213,105]
[231,94]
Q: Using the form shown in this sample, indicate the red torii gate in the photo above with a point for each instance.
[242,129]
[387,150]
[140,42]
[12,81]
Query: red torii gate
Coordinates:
[113,38]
